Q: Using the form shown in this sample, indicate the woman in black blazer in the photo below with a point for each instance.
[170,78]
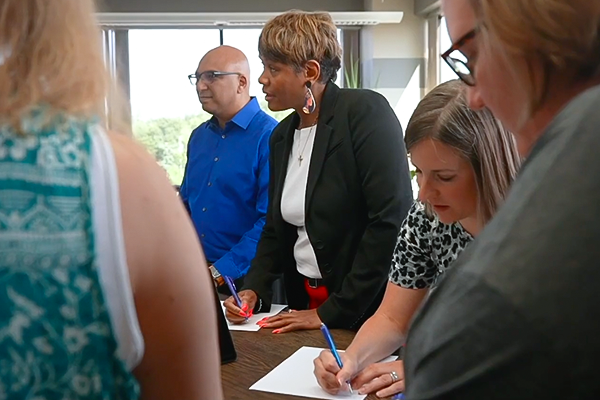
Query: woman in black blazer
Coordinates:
[339,190]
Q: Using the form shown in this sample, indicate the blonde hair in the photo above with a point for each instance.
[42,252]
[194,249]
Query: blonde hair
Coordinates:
[443,115]
[295,37]
[51,55]
[563,36]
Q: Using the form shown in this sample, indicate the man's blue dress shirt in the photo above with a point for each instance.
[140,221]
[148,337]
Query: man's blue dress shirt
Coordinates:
[225,186]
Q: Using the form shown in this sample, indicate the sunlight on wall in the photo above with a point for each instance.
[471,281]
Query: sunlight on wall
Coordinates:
[406,106]
[411,95]
[446,73]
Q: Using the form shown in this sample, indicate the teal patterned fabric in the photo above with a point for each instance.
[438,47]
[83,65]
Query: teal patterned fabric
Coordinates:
[56,341]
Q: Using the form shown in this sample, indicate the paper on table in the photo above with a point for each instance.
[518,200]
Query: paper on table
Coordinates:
[250,325]
[295,377]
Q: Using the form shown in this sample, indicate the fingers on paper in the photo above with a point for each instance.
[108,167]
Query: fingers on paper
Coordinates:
[326,379]
[232,312]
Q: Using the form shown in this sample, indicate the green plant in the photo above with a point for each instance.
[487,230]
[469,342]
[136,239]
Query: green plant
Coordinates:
[352,73]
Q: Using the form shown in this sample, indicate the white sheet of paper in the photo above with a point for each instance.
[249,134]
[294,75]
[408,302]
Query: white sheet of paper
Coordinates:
[250,325]
[295,377]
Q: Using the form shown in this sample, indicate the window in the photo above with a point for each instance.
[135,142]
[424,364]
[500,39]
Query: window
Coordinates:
[446,73]
[164,106]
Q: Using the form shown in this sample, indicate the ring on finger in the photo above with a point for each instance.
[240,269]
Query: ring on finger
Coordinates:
[394,376]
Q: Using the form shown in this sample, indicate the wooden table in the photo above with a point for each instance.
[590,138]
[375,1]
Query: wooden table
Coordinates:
[260,352]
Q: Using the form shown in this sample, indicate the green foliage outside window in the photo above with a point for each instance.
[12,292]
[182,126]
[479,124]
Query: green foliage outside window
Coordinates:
[167,138]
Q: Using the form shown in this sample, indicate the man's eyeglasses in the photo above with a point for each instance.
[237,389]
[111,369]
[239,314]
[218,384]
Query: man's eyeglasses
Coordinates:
[209,76]
[455,58]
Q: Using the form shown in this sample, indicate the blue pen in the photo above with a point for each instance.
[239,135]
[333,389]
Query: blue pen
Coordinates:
[333,349]
[399,396]
[233,291]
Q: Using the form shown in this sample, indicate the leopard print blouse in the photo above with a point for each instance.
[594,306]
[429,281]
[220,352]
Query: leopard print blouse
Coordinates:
[425,248]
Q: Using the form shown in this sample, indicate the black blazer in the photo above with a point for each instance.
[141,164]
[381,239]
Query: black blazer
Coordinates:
[357,196]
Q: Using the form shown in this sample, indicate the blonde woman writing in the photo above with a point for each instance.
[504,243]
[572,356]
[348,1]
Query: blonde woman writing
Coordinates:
[465,163]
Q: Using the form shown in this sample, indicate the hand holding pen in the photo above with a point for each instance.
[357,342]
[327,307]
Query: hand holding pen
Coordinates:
[238,301]
[333,349]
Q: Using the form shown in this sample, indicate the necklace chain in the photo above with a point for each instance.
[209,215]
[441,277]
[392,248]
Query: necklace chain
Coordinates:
[301,155]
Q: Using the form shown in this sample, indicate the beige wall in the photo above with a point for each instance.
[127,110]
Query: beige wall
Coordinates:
[394,56]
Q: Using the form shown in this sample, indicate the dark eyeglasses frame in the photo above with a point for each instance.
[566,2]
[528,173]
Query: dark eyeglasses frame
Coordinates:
[468,79]
[194,78]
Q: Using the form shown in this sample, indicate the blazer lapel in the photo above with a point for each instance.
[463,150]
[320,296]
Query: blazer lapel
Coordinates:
[322,137]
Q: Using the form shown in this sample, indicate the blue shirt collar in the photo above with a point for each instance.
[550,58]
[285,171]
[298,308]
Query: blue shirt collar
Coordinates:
[244,116]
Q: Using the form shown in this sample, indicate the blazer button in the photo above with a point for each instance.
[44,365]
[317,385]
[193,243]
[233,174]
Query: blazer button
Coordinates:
[319,245]
[326,268]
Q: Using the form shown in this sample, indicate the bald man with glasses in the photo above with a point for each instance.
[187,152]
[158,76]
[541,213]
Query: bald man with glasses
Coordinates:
[225,186]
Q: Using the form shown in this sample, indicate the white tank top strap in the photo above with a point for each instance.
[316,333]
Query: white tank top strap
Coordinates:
[110,250]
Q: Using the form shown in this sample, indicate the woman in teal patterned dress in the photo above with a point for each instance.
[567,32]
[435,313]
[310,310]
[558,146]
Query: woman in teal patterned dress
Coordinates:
[104,290]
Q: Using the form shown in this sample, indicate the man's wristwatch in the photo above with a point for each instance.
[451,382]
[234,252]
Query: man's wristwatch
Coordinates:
[216,276]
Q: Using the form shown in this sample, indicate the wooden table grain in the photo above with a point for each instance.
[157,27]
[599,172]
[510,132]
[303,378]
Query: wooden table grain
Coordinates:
[260,352]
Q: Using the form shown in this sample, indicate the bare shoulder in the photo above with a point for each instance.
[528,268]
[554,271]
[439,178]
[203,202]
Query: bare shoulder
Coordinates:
[151,211]
[169,277]
[135,165]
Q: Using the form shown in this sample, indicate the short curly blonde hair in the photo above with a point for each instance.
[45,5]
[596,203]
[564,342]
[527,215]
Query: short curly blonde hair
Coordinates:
[563,36]
[295,37]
